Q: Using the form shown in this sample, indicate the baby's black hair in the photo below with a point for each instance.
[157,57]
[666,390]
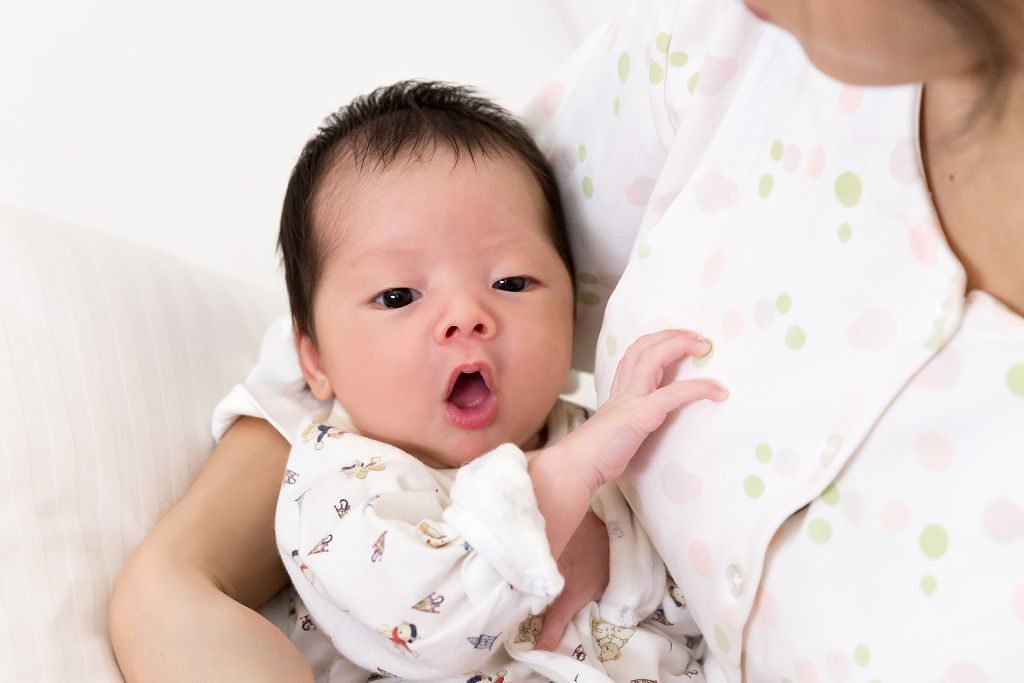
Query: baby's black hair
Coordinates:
[409,119]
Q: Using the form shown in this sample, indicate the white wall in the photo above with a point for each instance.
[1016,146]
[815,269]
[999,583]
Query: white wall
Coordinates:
[176,123]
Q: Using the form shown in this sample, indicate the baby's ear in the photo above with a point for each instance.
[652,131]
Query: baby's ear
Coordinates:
[312,370]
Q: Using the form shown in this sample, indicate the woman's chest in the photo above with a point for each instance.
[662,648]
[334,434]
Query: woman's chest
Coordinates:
[819,271]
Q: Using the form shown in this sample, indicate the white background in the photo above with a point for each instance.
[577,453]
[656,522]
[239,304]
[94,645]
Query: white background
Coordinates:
[177,123]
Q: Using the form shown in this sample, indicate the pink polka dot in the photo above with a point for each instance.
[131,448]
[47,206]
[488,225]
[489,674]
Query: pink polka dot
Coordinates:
[716,192]
[551,97]
[964,672]
[875,330]
[700,558]
[732,324]
[838,665]
[565,156]
[786,462]
[903,161]
[764,313]
[713,268]
[934,451]
[613,35]
[680,485]
[850,99]
[639,190]
[733,620]
[852,409]
[1018,602]
[791,157]
[852,505]
[1004,521]
[894,517]
[804,671]
[941,373]
[678,115]
[766,609]
[715,74]
[816,162]
[924,241]
[660,201]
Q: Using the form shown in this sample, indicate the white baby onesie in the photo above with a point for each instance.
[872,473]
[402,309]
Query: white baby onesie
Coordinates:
[423,573]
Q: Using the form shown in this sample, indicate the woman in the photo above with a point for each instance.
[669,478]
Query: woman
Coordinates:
[854,254]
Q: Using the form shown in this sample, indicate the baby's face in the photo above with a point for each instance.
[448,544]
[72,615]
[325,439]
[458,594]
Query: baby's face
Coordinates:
[444,313]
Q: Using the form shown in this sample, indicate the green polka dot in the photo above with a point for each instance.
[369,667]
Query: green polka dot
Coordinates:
[678,59]
[753,486]
[861,655]
[938,338]
[819,530]
[723,642]
[783,302]
[934,541]
[845,232]
[703,361]
[588,187]
[848,188]
[581,152]
[1015,379]
[623,67]
[795,337]
[588,298]
[662,41]
[615,106]
[929,585]
[588,278]
[655,73]
[611,345]
[763,453]
[785,680]
[643,251]
[764,186]
[830,495]
[777,149]
[691,84]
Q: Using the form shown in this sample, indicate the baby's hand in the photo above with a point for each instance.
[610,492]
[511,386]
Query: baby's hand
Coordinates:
[637,404]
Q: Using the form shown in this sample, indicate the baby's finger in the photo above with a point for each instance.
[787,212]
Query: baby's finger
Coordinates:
[646,374]
[643,346]
[677,394]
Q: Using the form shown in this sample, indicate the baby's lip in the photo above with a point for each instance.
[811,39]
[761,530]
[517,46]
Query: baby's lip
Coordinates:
[469,368]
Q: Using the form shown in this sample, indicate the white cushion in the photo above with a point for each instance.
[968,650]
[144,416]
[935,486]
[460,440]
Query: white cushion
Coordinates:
[112,356]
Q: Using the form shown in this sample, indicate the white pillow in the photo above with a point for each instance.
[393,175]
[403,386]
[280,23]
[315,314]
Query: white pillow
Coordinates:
[112,356]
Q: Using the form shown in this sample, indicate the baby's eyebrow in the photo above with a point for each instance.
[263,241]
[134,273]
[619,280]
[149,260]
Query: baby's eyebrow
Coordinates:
[386,254]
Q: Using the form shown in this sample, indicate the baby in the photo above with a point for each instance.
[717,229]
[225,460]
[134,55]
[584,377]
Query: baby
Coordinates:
[431,290]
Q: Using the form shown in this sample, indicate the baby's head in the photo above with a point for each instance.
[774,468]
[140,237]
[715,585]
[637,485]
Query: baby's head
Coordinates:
[428,271]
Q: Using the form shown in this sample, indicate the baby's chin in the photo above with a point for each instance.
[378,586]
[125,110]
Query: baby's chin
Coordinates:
[467,448]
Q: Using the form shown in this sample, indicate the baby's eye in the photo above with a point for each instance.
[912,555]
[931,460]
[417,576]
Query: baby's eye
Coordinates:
[512,284]
[397,297]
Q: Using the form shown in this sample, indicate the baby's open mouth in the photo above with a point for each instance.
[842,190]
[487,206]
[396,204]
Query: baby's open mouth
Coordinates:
[470,404]
[470,390]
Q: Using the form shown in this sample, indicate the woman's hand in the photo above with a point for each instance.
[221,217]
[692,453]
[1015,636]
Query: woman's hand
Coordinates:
[584,565]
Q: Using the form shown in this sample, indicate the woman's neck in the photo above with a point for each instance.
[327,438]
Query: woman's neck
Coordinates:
[975,169]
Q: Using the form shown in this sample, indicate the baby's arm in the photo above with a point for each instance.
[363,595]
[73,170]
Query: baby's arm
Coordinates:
[402,575]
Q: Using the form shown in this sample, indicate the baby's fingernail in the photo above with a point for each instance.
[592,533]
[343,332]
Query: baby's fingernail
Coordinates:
[707,343]
[723,393]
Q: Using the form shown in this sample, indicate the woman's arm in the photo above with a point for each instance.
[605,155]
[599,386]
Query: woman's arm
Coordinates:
[181,608]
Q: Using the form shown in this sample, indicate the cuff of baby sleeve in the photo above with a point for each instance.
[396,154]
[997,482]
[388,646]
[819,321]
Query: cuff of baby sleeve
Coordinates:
[494,508]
